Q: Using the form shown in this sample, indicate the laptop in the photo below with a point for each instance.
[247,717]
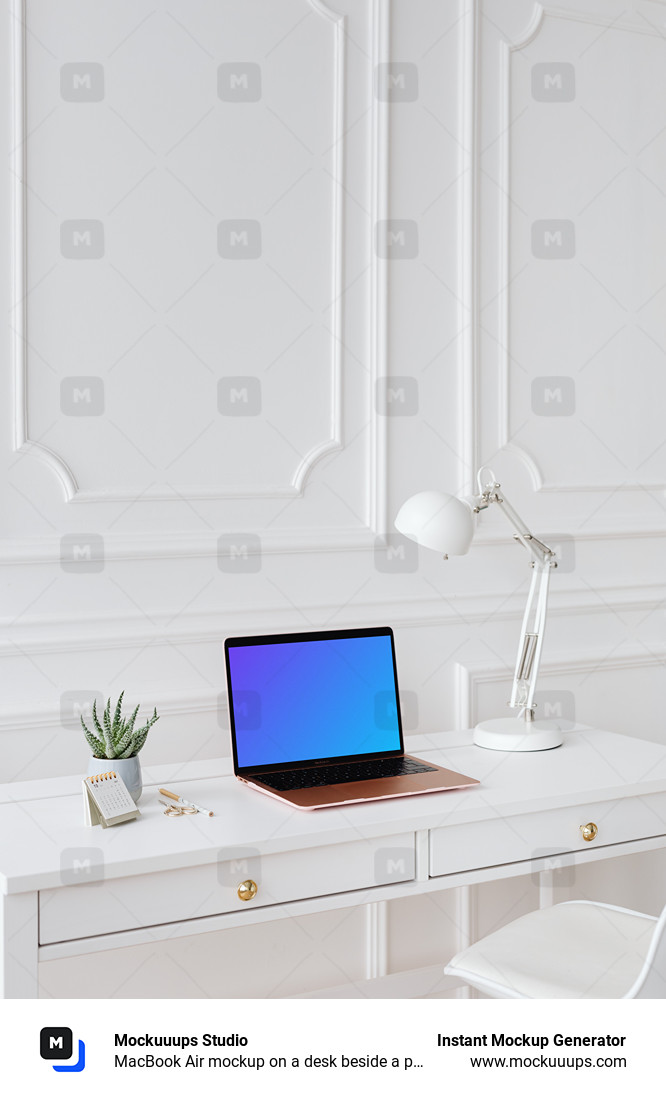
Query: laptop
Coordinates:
[315,719]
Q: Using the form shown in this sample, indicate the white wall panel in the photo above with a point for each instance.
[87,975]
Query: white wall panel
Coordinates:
[396,160]
[569,165]
[581,688]
[153,611]
[184,201]
[588,253]
[190,277]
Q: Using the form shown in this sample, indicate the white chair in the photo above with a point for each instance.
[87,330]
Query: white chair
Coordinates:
[575,950]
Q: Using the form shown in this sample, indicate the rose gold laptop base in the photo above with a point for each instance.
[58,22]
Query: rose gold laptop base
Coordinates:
[347,793]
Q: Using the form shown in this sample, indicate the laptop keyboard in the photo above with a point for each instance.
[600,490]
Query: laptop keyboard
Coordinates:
[304,778]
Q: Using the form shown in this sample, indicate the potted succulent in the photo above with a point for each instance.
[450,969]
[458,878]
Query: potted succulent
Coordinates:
[115,739]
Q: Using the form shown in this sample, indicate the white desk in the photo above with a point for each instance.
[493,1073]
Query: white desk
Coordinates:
[69,890]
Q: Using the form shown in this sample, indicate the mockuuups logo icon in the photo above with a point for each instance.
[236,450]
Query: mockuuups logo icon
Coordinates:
[56,1044]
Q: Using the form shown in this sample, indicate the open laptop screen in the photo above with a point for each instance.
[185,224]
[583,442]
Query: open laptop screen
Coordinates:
[310,697]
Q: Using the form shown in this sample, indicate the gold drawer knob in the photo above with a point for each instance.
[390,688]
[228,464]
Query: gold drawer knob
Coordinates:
[589,831]
[247,890]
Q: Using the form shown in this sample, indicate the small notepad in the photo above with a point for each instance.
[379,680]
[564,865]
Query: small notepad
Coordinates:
[106,800]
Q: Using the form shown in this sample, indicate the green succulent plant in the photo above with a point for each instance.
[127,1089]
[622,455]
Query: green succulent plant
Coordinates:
[116,738]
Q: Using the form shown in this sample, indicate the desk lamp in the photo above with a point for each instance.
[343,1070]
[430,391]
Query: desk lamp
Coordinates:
[446,523]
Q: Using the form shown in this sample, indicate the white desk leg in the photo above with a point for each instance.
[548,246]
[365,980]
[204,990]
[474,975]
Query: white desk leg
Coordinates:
[376,939]
[18,946]
[546,888]
[466,921]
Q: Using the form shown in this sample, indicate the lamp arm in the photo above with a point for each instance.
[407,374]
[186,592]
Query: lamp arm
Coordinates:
[523,534]
[534,619]
[531,642]
[489,494]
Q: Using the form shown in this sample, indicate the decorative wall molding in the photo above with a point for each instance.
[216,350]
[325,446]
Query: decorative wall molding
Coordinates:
[470,677]
[313,540]
[22,442]
[507,49]
[164,492]
[57,634]
[471,381]
[476,447]
[468,258]
[171,545]
[635,20]
[169,704]
[165,626]
[628,527]
[378,495]
[185,545]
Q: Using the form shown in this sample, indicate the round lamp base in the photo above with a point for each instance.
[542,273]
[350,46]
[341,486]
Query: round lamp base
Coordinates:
[512,734]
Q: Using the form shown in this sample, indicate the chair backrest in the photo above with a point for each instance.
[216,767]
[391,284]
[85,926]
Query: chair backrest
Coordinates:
[650,983]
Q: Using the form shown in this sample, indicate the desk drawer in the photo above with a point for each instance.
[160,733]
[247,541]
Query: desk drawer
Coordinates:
[100,907]
[533,835]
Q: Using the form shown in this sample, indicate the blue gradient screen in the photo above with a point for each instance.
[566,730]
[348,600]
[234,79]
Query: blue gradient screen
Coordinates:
[304,700]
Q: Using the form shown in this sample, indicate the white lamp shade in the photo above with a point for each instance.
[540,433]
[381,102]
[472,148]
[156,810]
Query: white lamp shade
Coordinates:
[437,521]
